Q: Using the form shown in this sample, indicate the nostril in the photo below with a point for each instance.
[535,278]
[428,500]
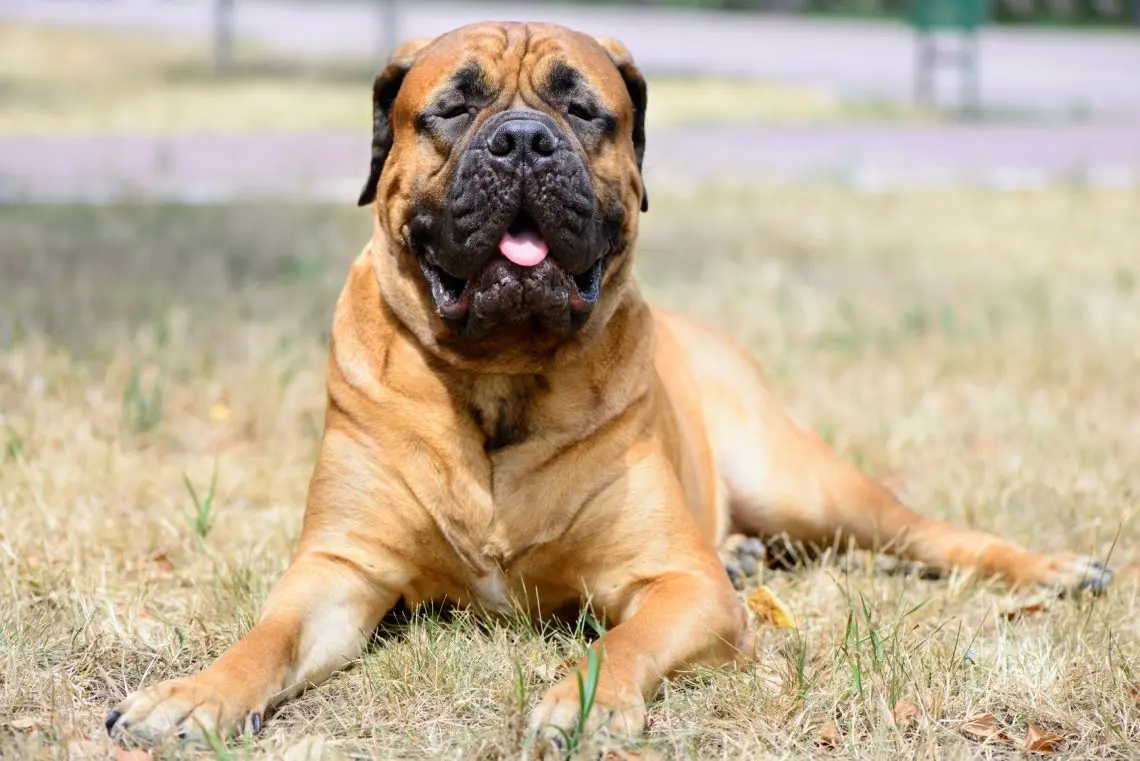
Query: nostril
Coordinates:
[502,142]
[522,139]
[543,142]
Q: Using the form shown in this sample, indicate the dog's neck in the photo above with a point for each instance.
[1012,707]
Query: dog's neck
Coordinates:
[499,404]
[376,348]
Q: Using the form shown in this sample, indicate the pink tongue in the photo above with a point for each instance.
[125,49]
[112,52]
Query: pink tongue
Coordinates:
[525,249]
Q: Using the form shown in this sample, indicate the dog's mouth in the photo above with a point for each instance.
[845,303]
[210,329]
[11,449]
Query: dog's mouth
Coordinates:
[524,251]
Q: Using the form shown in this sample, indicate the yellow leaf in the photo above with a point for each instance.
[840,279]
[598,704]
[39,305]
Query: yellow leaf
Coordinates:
[768,607]
[220,412]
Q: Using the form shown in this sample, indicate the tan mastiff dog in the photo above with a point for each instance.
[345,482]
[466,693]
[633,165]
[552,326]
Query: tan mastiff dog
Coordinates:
[509,423]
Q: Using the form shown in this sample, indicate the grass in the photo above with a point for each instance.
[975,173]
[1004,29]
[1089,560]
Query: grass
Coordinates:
[977,350]
[61,80]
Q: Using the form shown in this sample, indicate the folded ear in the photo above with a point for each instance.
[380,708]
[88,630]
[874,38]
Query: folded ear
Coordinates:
[638,93]
[384,90]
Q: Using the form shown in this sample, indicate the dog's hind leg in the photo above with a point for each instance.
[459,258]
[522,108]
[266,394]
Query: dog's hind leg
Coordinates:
[805,491]
[783,479]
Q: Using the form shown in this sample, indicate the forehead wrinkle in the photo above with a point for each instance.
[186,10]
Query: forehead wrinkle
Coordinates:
[470,78]
[488,42]
[538,76]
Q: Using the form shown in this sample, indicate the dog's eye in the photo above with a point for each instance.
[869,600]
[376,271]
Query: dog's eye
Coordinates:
[454,112]
[581,111]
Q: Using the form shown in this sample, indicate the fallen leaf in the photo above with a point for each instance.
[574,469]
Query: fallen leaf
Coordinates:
[220,412]
[829,736]
[1040,741]
[24,722]
[905,714]
[162,561]
[768,608]
[1024,610]
[982,726]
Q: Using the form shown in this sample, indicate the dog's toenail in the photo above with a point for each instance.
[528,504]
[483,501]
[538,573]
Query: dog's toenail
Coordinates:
[109,722]
[255,722]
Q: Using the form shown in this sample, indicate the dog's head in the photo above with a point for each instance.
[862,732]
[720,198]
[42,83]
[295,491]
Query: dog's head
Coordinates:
[506,178]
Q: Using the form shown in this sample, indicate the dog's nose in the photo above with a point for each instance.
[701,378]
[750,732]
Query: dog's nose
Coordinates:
[523,140]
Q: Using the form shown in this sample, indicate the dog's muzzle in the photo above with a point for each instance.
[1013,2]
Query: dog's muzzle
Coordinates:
[521,237]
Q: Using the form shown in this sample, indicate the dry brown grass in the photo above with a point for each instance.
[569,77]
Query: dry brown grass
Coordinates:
[979,349]
[59,80]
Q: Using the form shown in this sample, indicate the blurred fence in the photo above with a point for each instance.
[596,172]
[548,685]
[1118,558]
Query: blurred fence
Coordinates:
[1103,13]
[1083,12]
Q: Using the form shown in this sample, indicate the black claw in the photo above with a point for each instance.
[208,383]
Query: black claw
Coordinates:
[1096,582]
[255,722]
[735,576]
[110,721]
[559,742]
[1099,583]
[183,734]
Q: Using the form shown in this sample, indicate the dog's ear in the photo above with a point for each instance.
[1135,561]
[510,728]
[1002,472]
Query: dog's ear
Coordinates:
[384,90]
[639,94]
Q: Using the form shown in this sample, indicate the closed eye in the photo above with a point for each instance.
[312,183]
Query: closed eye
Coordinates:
[581,111]
[454,112]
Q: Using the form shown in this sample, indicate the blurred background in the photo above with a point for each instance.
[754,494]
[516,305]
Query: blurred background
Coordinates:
[208,98]
[921,216]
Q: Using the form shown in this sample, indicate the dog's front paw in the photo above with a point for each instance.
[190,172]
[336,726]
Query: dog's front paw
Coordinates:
[1077,573]
[612,712]
[193,708]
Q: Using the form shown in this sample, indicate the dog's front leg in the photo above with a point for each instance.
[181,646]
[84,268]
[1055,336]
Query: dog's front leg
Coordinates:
[350,569]
[673,606]
[676,620]
[314,622]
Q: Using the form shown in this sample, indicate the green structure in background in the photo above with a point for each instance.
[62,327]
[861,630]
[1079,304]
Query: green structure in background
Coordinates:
[963,18]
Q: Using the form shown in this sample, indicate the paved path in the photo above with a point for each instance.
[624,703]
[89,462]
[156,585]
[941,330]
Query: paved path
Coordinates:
[1028,70]
[332,165]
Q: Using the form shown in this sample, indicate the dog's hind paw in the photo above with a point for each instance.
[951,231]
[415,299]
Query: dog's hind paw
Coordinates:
[742,557]
[1066,573]
[1081,573]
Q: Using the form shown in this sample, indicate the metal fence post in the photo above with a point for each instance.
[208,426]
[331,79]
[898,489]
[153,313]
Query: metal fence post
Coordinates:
[963,18]
[389,26]
[223,34]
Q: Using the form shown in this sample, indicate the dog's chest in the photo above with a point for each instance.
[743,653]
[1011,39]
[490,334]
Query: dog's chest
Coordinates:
[492,591]
[499,406]
[528,512]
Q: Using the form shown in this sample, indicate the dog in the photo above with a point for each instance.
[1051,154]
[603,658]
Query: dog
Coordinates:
[510,423]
